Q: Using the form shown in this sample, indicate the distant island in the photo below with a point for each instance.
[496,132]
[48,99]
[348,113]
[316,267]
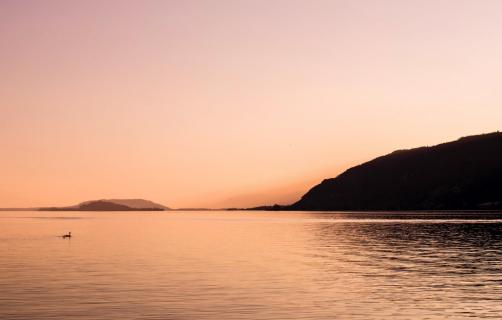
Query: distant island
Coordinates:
[112,205]
[462,175]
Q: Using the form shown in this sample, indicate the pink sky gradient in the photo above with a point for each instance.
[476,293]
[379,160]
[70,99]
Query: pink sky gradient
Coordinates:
[232,103]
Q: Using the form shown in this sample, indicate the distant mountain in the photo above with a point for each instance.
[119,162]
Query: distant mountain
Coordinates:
[133,203]
[462,175]
[112,205]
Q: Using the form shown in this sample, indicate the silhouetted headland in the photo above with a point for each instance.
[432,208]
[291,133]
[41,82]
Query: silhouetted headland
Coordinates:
[462,175]
[112,205]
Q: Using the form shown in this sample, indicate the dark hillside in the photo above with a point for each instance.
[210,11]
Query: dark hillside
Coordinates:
[462,175]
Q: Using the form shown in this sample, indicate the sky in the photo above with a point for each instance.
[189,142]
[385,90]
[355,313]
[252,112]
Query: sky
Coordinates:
[232,103]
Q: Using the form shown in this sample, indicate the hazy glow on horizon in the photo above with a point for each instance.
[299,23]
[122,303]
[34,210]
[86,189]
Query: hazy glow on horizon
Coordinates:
[232,103]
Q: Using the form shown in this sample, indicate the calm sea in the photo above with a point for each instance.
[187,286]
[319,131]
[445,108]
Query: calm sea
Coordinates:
[250,265]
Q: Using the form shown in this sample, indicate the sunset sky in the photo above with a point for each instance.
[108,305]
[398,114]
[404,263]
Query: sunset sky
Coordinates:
[232,103]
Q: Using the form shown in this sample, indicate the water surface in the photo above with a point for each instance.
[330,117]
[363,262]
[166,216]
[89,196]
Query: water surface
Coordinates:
[250,265]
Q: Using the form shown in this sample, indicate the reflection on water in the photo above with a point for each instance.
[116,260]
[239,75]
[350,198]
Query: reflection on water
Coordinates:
[243,265]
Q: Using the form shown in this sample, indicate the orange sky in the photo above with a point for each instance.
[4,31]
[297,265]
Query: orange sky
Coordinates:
[232,103]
